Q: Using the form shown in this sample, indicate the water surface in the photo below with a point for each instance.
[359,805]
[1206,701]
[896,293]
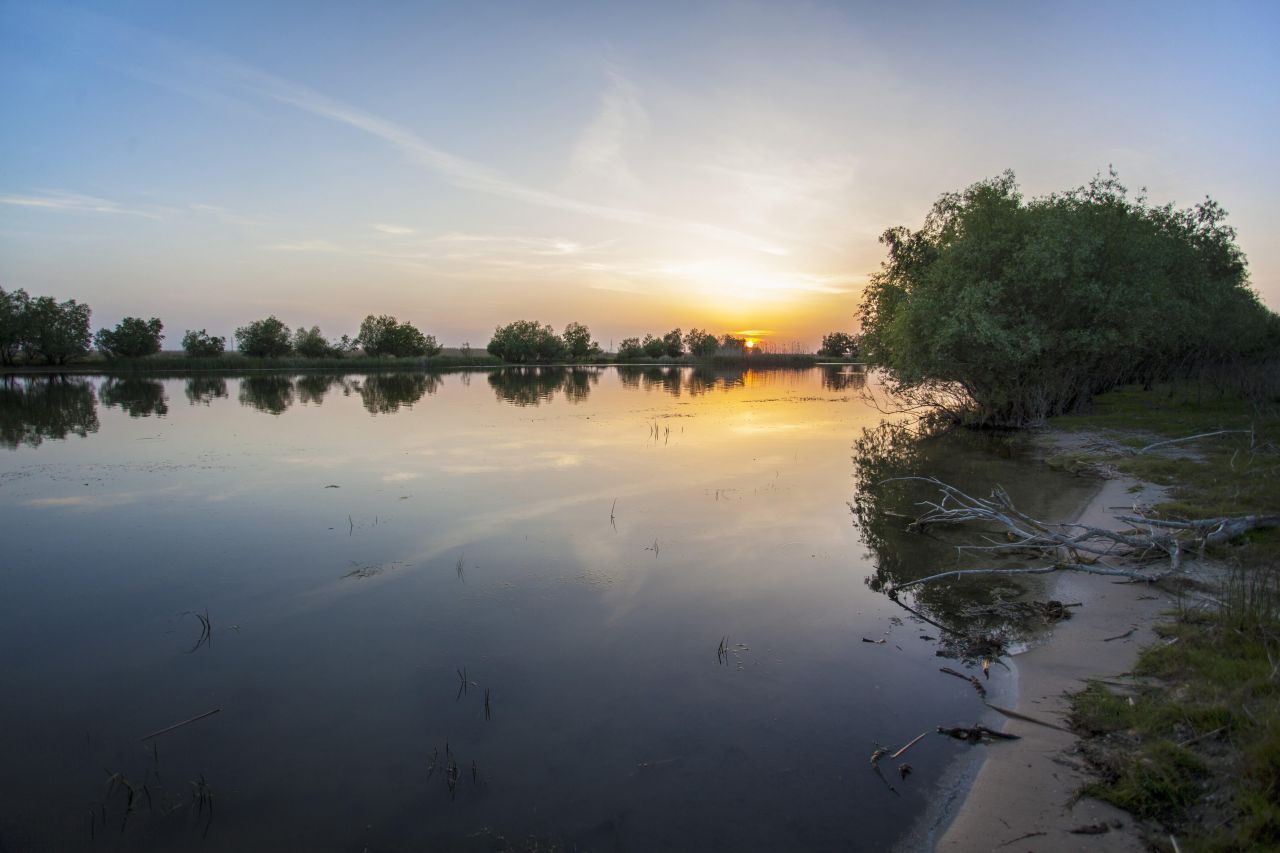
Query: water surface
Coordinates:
[652,575]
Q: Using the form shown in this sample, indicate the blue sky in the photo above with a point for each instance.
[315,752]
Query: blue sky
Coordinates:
[633,166]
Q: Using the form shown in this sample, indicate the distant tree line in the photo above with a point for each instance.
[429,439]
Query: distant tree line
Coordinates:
[43,330]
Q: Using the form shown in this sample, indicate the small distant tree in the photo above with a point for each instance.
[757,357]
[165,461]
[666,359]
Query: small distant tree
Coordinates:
[578,343]
[345,345]
[654,347]
[15,310]
[311,343]
[839,345]
[673,343]
[267,338]
[630,348]
[203,345]
[525,341]
[384,335]
[733,344]
[56,332]
[132,338]
[700,343]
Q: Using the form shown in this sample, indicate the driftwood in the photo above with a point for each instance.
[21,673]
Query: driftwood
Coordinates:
[1074,547]
[179,725]
[977,685]
[975,734]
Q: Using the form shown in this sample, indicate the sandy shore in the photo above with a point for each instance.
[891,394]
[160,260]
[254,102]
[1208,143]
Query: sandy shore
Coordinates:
[1021,797]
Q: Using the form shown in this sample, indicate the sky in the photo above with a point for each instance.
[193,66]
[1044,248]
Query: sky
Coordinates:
[631,166]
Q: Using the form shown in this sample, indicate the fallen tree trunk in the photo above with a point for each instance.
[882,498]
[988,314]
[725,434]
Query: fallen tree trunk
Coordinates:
[1071,545]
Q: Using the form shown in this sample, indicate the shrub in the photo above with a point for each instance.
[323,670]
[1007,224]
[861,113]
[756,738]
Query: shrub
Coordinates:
[578,343]
[526,341]
[839,345]
[267,338]
[630,348]
[132,338]
[56,332]
[311,343]
[202,345]
[673,343]
[383,336]
[1018,310]
[654,347]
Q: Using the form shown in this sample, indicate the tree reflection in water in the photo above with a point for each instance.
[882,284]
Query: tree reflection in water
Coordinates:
[384,393]
[39,407]
[202,390]
[270,394]
[533,386]
[976,617]
[139,398]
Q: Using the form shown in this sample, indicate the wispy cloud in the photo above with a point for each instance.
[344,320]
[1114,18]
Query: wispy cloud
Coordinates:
[224,215]
[191,69]
[602,146]
[393,230]
[61,201]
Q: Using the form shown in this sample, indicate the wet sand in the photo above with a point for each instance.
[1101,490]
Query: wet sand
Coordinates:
[1021,797]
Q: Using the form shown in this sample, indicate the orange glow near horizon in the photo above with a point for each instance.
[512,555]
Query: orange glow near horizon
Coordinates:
[751,343]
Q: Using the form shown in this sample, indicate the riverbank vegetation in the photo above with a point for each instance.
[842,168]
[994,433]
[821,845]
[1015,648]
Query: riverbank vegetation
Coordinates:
[1192,742]
[1003,311]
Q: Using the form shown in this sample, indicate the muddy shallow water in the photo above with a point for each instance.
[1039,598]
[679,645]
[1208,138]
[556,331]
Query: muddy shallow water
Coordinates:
[651,579]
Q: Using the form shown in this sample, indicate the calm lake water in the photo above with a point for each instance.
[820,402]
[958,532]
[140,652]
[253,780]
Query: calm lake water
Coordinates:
[579,543]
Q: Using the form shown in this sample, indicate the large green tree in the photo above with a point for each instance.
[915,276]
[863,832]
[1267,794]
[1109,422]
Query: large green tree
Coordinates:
[1014,310]
[384,335]
[578,343]
[133,337]
[268,338]
[525,341]
[15,307]
[56,331]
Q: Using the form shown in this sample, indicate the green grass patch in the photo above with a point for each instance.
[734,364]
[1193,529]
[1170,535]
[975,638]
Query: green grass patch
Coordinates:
[1197,748]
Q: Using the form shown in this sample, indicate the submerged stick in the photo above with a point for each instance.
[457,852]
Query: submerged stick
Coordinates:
[918,738]
[179,725]
[1017,716]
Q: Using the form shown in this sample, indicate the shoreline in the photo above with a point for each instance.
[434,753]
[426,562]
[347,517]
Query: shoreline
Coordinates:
[1024,790]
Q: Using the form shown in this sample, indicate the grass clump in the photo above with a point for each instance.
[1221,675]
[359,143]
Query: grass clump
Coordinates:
[1196,745]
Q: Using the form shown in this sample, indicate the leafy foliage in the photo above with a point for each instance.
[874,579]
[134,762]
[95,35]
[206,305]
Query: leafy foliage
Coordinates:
[14,316]
[654,347]
[54,331]
[578,343]
[525,341]
[202,345]
[733,344]
[700,343]
[673,343]
[839,345]
[311,343]
[267,338]
[630,348]
[1026,309]
[132,338]
[382,336]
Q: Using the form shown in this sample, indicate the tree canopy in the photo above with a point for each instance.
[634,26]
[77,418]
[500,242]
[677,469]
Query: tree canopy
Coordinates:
[1023,309]
[384,335]
[267,338]
[525,341]
[133,337]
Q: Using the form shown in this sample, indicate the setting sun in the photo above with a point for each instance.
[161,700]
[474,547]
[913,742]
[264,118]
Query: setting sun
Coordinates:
[751,343]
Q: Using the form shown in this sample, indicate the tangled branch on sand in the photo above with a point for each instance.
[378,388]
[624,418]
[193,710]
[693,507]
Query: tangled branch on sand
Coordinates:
[1074,547]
